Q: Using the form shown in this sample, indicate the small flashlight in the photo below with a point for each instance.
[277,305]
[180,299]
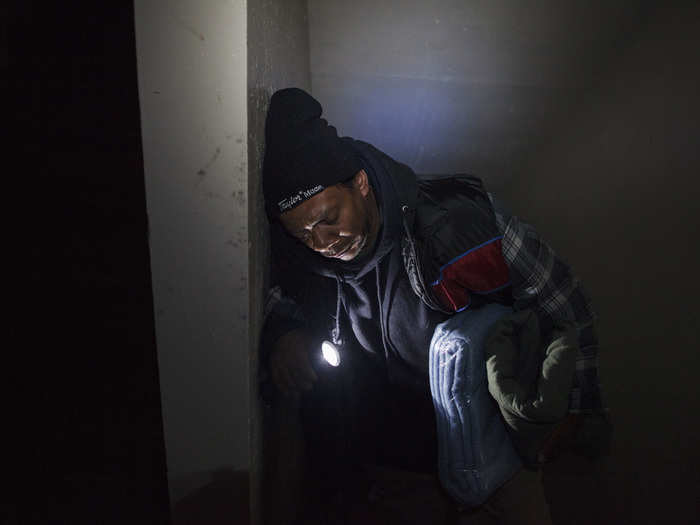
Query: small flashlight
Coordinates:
[330,353]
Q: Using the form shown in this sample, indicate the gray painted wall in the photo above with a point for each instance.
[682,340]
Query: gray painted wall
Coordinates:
[448,86]
[278,57]
[192,84]
[206,73]
[616,191]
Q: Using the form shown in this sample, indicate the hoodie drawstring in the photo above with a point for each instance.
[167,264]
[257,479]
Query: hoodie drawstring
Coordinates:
[335,333]
[381,314]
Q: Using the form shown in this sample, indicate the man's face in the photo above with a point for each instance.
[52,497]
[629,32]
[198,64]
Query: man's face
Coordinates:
[340,222]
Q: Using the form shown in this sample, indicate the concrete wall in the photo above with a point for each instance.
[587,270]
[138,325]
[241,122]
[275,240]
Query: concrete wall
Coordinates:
[615,188]
[192,84]
[452,86]
[584,117]
[278,56]
[206,74]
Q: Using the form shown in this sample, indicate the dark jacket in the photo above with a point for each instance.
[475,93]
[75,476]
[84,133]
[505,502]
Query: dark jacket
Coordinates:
[392,300]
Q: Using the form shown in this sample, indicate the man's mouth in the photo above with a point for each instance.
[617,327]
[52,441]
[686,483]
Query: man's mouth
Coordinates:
[342,251]
[346,248]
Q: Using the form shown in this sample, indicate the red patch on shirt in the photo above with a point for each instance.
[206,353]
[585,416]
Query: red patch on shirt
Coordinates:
[480,270]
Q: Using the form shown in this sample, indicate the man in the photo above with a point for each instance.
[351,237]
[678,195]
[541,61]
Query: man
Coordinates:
[369,257]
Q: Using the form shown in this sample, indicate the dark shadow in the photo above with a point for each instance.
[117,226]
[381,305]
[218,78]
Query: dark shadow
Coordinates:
[223,500]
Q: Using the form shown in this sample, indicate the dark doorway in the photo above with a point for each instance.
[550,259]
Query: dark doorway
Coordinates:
[88,397]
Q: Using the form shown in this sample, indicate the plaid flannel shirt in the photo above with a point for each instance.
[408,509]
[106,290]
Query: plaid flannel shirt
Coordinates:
[541,280]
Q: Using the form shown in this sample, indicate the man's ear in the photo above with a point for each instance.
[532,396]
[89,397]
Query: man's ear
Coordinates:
[361,182]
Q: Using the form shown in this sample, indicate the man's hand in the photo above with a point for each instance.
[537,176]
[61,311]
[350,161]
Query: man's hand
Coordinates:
[290,366]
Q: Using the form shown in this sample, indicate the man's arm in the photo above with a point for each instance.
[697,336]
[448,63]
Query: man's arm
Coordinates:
[296,321]
[541,280]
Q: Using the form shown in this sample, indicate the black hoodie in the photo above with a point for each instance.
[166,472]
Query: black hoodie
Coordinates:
[385,315]
[380,314]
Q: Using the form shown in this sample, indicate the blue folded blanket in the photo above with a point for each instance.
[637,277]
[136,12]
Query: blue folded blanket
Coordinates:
[475,454]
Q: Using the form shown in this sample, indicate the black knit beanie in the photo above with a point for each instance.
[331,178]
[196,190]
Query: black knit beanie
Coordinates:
[303,153]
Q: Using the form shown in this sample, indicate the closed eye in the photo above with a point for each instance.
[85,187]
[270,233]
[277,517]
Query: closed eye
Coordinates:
[330,220]
[305,234]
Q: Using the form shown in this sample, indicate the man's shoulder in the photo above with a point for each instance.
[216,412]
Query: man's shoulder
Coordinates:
[458,241]
[441,186]
[456,202]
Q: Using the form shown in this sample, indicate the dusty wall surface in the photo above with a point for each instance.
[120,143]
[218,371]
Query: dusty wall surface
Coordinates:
[278,57]
[584,117]
[192,84]
[615,191]
[450,87]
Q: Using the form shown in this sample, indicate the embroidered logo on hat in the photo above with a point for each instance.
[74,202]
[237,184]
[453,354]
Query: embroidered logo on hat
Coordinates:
[301,195]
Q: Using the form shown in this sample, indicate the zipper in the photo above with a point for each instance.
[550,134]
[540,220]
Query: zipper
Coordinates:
[425,293]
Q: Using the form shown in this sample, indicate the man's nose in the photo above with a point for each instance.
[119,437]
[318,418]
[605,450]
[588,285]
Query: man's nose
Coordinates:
[322,238]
